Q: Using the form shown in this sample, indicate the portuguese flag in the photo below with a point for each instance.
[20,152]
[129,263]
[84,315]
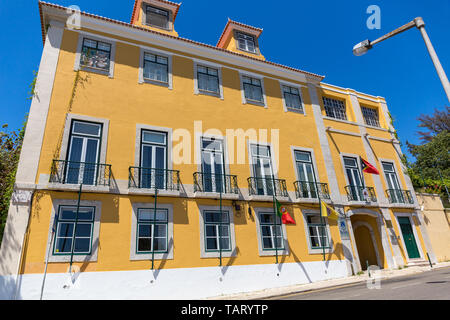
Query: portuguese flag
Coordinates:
[283,214]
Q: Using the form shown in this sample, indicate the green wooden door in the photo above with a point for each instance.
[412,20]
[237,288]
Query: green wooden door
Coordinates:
[408,237]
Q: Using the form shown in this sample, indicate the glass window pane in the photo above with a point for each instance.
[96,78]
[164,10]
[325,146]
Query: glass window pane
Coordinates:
[83,230]
[63,245]
[302,156]
[65,230]
[225,243]
[210,231]
[82,245]
[147,214]
[267,243]
[144,244]
[351,162]
[150,57]
[90,43]
[144,230]
[160,244]
[104,46]
[160,231]
[153,137]
[388,166]
[162,60]
[86,128]
[211,244]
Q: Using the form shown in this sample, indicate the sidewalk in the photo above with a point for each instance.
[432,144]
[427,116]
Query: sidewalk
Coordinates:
[275,292]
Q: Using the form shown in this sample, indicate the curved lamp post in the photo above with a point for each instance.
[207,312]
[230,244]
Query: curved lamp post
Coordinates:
[364,46]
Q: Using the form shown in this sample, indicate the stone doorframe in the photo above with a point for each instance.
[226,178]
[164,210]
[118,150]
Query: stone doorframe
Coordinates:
[381,229]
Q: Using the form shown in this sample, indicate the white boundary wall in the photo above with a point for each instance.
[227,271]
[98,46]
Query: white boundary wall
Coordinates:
[178,283]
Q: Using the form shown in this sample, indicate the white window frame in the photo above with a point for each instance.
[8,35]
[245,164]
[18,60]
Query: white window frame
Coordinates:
[202,63]
[299,88]
[165,54]
[95,232]
[77,66]
[213,254]
[255,42]
[157,255]
[261,79]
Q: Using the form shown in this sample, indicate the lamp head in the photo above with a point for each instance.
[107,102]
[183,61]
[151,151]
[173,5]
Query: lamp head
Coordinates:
[361,48]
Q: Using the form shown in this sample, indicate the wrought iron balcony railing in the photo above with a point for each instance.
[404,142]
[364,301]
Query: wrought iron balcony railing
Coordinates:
[73,172]
[267,187]
[400,196]
[355,193]
[208,182]
[151,178]
[304,189]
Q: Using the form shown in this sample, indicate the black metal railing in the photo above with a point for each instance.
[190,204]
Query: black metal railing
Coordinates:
[267,187]
[73,172]
[399,196]
[305,189]
[356,193]
[208,182]
[151,178]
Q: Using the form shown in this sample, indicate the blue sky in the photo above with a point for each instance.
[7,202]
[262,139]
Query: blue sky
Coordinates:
[315,36]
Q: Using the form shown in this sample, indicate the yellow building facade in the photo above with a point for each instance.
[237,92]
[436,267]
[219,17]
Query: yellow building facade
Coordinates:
[130,116]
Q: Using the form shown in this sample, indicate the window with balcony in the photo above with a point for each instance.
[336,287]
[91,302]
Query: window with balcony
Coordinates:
[354,178]
[335,108]
[253,90]
[153,159]
[246,42]
[83,154]
[292,99]
[394,191]
[213,168]
[307,186]
[370,116]
[157,17]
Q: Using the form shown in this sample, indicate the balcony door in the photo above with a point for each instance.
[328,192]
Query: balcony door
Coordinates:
[354,178]
[153,162]
[213,170]
[305,172]
[262,170]
[392,182]
[83,153]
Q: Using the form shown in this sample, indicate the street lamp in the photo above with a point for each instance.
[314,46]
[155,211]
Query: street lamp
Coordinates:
[364,46]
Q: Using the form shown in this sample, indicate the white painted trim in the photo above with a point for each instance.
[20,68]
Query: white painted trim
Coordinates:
[148,256]
[203,252]
[95,232]
[313,158]
[311,250]
[266,252]
[137,145]
[165,54]
[255,76]
[299,88]
[197,91]
[77,65]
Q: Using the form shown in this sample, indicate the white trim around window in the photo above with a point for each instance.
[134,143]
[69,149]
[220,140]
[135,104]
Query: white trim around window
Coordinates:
[81,37]
[94,237]
[313,158]
[137,143]
[311,250]
[299,88]
[203,63]
[148,256]
[161,53]
[228,253]
[269,252]
[255,76]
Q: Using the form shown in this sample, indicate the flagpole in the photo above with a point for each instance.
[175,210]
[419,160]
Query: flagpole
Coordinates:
[321,217]
[154,224]
[75,229]
[220,227]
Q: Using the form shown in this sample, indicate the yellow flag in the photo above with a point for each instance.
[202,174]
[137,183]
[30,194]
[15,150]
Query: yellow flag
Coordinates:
[329,212]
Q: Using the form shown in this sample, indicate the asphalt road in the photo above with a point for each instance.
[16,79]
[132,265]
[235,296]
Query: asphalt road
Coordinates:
[429,285]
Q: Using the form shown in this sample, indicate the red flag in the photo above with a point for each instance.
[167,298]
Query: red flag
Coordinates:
[283,214]
[367,167]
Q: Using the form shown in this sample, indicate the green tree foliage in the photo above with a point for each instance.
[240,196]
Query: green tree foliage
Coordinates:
[10,146]
[433,155]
